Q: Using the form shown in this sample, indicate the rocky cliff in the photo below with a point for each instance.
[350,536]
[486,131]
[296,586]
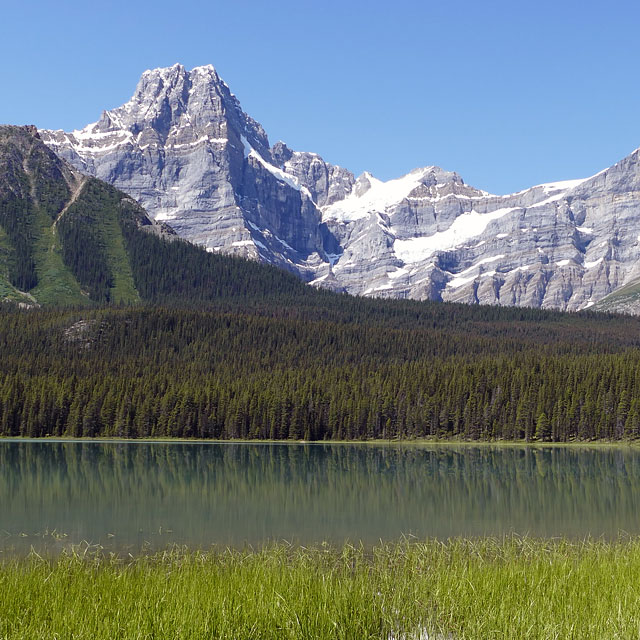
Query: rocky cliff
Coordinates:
[183,147]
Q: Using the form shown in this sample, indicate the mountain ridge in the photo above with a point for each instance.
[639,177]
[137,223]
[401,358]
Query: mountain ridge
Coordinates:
[183,147]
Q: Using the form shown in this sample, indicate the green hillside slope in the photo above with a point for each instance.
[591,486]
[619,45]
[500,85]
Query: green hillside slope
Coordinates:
[61,240]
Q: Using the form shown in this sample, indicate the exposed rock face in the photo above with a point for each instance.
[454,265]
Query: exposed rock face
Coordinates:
[184,148]
[563,245]
[326,183]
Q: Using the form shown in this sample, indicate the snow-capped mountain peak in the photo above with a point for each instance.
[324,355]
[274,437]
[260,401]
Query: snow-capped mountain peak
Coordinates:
[184,148]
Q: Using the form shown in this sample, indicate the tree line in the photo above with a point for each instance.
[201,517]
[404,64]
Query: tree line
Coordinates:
[305,373]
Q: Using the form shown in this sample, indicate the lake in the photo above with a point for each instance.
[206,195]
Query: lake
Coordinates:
[142,495]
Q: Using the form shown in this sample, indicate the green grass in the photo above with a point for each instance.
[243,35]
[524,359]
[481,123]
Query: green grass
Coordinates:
[10,293]
[512,588]
[624,299]
[124,290]
[56,284]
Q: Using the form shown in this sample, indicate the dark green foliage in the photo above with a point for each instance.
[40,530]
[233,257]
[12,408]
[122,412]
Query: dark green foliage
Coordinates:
[16,212]
[170,270]
[328,367]
[83,242]
[16,220]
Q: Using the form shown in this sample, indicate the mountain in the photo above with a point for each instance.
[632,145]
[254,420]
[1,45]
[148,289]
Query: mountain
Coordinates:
[67,239]
[184,148]
[59,229]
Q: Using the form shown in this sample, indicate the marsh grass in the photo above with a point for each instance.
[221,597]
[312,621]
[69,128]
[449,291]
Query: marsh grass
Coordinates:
[488,588]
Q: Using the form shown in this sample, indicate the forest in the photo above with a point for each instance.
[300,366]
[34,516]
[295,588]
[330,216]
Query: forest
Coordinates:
[325,367]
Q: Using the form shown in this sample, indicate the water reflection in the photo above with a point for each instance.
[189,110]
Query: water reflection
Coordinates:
[126,495]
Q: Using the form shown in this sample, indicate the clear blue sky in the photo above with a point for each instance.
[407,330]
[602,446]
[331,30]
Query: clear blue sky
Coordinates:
[507,93]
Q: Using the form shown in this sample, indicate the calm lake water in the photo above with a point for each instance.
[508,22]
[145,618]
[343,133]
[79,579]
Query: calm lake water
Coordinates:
[127,496]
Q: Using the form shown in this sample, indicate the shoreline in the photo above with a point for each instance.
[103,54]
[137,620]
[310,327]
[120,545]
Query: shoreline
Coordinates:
[422,442]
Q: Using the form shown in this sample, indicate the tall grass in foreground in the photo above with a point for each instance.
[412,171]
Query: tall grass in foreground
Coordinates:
[489,588]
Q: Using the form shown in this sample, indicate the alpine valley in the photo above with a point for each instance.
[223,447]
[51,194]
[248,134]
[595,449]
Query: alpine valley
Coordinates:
[186,151]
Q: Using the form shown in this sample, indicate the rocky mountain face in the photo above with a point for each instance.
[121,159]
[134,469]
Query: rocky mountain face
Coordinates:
[183,147]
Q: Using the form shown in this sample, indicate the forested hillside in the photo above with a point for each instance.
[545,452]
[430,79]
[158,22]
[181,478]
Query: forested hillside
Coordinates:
[326,367]
[61,233]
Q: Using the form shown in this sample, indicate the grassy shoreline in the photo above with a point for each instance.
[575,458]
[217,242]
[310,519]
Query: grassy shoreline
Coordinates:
[475,589]
[627,444]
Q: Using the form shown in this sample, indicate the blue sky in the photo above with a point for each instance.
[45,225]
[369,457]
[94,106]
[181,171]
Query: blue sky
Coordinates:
[508,94]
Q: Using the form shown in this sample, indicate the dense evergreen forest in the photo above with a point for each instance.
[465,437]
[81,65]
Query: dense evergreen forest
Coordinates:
[324,367]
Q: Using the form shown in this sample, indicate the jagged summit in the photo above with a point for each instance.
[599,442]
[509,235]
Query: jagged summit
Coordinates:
[184,148]
[170,106]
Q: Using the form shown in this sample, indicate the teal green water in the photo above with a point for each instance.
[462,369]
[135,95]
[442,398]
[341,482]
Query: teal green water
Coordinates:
[128,496]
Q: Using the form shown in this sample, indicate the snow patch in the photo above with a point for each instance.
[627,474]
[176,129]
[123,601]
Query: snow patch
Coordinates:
[481,262]
[165,215]
[595,263]
[462,278]
[88,134]
[377,199]
[279,174]
[398,273]
[561,185]
[84,150]
[248,149]
[563,263]
[197,142]
[588,230]
[382,287]
[283,243]
[463,228]
[459,282]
